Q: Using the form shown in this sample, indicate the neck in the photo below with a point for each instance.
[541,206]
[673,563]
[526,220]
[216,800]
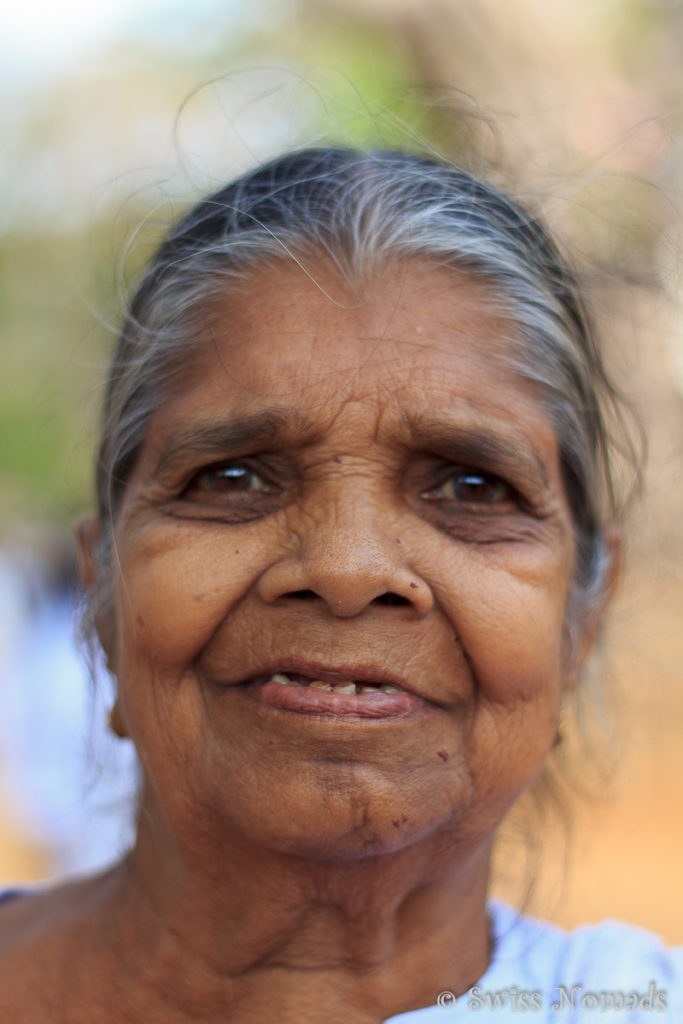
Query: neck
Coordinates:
[358,940]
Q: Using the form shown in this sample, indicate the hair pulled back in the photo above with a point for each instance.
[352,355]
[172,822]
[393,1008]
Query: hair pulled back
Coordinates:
[362,211]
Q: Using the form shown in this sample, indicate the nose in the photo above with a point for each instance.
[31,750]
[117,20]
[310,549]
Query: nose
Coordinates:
[349,562]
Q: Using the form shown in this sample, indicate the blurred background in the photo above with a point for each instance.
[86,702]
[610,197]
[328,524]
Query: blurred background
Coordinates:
[113,116]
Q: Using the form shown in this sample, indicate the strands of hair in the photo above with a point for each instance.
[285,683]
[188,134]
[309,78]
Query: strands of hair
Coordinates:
[361,210]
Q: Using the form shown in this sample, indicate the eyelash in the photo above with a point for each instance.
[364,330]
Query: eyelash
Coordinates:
[485,489]
[493,490]
[231,471]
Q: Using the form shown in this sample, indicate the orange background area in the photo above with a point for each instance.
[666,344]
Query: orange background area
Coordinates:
[624,851]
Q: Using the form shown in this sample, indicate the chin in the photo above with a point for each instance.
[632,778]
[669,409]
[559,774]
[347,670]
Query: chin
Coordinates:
[357,844]
[356,830]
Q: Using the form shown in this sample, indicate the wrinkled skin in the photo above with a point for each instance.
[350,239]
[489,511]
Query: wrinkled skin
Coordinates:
[400,515]
[342,518]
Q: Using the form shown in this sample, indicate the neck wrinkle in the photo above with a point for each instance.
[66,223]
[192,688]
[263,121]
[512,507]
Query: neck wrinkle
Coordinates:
[359,933]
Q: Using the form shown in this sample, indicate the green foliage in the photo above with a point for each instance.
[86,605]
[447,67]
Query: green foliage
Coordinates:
[53,348]
[346,76]
[60,290]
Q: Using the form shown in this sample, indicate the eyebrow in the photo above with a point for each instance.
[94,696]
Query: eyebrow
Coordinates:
[479,446]
[459,443]
[219,439]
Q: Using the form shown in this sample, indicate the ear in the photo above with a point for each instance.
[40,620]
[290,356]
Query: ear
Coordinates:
[88,534]
[590,627]
[87,541]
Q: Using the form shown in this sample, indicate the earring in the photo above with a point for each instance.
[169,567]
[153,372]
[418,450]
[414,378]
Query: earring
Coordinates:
[114,721]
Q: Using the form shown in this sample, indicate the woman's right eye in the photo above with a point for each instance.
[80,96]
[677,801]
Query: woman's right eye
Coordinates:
[226,479]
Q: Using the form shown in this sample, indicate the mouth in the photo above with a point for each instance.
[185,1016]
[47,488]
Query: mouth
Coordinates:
[347,687]
[333,694]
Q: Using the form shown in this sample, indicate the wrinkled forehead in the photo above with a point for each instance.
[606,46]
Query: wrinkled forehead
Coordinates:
[306,355]
[309,330]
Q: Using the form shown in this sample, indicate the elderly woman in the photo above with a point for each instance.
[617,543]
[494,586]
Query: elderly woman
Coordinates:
[353,544]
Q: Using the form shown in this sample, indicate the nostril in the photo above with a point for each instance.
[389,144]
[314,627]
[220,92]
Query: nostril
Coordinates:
[390,599]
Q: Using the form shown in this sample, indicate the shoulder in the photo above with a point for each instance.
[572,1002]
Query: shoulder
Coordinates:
[17,909]
[28,956]
[562,977]
[23,908]
[39,912]
[43,933]
[29,918]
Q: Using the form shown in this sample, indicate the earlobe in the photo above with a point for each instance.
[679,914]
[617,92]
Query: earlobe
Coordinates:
[116,723]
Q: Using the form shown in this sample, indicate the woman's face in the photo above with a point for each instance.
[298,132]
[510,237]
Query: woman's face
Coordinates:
[344,494]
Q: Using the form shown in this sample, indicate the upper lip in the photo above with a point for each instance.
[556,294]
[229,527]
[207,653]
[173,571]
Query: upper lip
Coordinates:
[366,673]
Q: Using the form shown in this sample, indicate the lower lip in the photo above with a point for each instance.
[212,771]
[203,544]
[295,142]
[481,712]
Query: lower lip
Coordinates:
[305,700]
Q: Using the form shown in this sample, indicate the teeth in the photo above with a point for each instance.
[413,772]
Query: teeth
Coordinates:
[384,688]
[345,688]
[348,688]
[283,680]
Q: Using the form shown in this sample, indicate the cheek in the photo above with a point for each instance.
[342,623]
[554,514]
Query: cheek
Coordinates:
[175,586]
[509,608]
[511,628]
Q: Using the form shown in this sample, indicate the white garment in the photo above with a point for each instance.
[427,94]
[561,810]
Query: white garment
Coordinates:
[608,972]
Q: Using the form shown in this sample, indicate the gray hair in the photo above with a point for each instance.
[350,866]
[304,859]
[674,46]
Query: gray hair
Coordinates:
[362,210]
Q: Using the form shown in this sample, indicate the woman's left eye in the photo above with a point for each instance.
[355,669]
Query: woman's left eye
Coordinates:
[471,487]
[231,478]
